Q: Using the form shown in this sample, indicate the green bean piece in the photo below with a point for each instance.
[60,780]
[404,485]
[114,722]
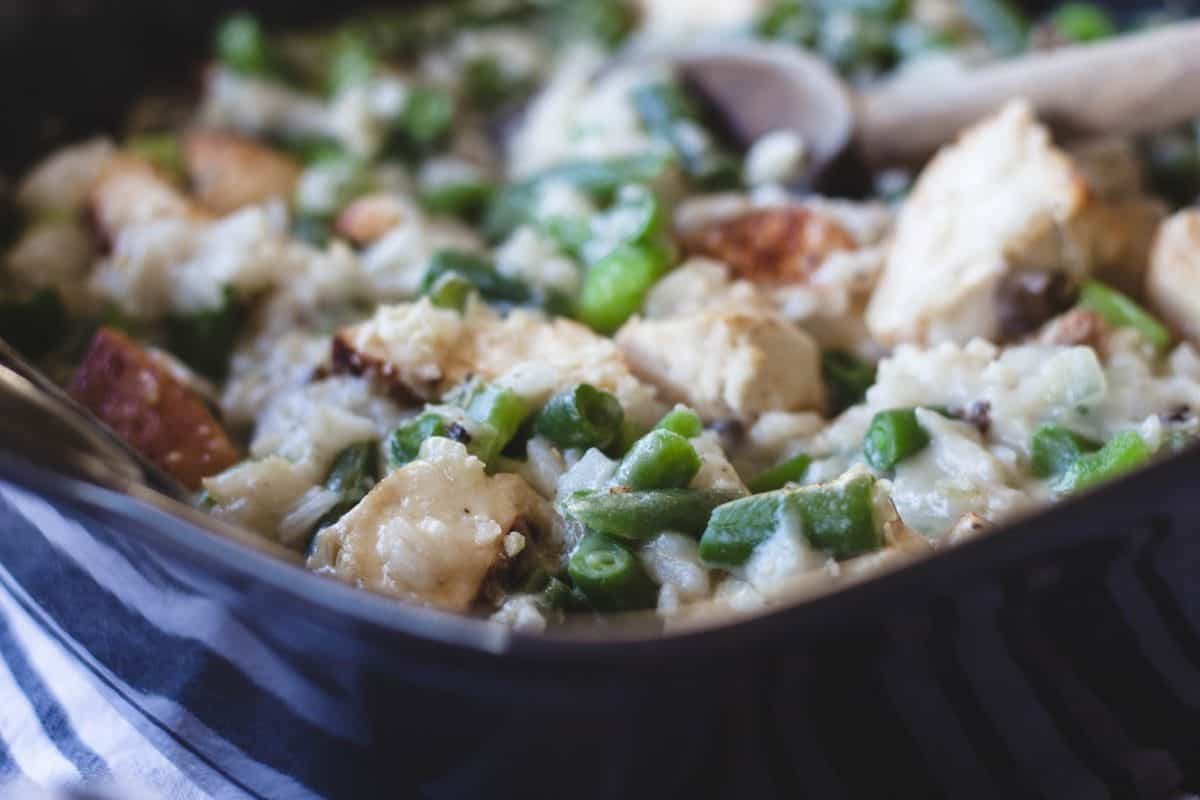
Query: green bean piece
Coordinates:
[661,459]
[790,471]
[615,287]
[893,436]
[426,120]
[354,472]
[610,575]
[477,270]
[204,340]
[635,218]
[489,86]
[463,199]
[606,22]
[558,595]
[1083,22]
[1054,449]
[683,421]
[736,528]
[500,411]
[403,446]
[638,516]
[160,149]
[450,291]
[600,180]
[792,21]
[837,517]
[352,62]
[581,417]
[626,438]
[36,325]
[1123,453]
[1000,23]
[242,46]
[1122,312]
[848,379]
[670,114]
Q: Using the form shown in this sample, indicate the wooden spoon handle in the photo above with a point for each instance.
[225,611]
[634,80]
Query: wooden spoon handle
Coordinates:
[1132,84]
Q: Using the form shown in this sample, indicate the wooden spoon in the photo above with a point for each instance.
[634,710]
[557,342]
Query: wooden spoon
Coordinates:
[1130,84]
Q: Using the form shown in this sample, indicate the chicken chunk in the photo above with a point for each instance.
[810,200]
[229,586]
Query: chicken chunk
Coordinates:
[63,181]
[420,352]
[727,364]
[156,414]
[430,532]
[228,171]
[1002,198]
[1173,283]
[129,190]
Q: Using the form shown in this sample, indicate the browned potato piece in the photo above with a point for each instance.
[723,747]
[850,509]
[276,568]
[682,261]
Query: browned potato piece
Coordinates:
[772,245]
[228,171]
[130,190]
[371,216]
[157,415]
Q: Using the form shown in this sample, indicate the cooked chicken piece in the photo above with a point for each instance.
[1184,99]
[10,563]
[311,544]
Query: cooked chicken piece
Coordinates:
[129,190]
[369,217]
[420,352]
[727,364]
[161,418]
[1173,283]
[1079,326]
[1000,199]
[430,532]
[228,171]
[63,181]
[772,245]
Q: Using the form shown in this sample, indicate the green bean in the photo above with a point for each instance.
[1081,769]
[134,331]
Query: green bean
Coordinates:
[606,22]
[424,123]
[558,595]
[35,325]
[668,113]
[848,379]
[615,287]
[479,272]
[160,149]
[792,21]
[600,180]
[354,472]
[464,199]
[204,340]
[1000,23]
[1121,454]
[1120,311]
[610,576]
[836,517]
[352,62]
[580,417]
[404,444]
[451,290]
[489,86]
[1054,449]
[242,46]
[683,421]
[790,471]
[893,436]
[661,459]
[500,411]
[1083,22]
[638,516]
[635,218]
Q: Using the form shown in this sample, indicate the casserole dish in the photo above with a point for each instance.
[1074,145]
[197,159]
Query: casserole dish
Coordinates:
[1002,669]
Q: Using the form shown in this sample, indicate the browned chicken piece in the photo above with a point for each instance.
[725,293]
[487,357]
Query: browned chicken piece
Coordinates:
[130,190]
[1079,326]
[370,217]
[157,415]
[228,171]
[772,245]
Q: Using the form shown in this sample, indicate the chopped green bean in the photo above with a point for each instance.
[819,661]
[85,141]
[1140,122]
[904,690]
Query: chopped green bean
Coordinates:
[790,471]
[736,528]
[683,421]
[488,86]
[425,122]
[1120,311]
[610,575]
[893,436]
[463,199]
[606,22]
[615,287]
[1055,449]
[500,411]
[204,340]
[670,114]
[242,46]
[451,290]
[792,21]
[479,272]
[404,444]
[36,325]
[638,516]
[1083,22]
[558,595]
[160,149]
[1121,454]
[581,417]
[352,62]
[661,459]
[635,218]
[354,472]
[848,379]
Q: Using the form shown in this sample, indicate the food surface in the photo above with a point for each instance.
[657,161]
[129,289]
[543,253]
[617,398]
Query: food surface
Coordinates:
[474,309]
